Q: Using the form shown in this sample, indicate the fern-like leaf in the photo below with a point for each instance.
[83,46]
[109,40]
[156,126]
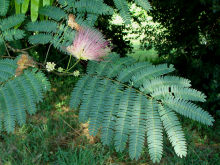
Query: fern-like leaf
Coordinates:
[154,132]
[11,21]
[97,108]
[132,70]
[178,92]
[40,77]
[150,85]
[42,26]
[32,83]
[96,7]
[64,3]
[137,127]
[122,122]
[13,34]
[4,4]
[188,94]
[174,130]
[113,65]
[28,95]
[110,110]
[19,94]
[7,69]
[18,100]
[150,73]
[53,12]
[144,4]
[190,110]
[91,19]
[88,98]
[124,11]
[41,38]
[126,100]
[7,110]
[76,95]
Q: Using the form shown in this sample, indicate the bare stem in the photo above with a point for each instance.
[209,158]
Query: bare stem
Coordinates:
[7,49]
[73,65]
[14,49]
[69,62]
[48,50]
[29,47]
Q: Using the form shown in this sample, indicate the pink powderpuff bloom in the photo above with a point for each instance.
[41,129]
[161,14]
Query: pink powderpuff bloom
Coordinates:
[89,44]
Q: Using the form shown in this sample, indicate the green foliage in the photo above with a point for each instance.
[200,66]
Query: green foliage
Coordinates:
[54,136]
[119,103]
[42,26]
[50,32]
[19,94]
[11,21]
[13,34]
[62,34]
[67,4]
[123,8]
[53,12]
[137,127]
[173,129]
[17,6]
[86,13]
[128,101]
[189,109]
[7,31]
[40,38]
[4,4]
[144,4]
[154,131]
[96,7]
[186,34]
[24,7]
[19,1]
[149,85]
[7,69]
[8,26]
[150,73]
[35,4]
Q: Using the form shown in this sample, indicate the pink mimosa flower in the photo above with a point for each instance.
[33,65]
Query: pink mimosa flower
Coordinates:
[89,44]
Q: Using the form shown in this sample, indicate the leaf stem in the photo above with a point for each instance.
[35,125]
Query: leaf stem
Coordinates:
[47,54]
[69,62]
[73,65]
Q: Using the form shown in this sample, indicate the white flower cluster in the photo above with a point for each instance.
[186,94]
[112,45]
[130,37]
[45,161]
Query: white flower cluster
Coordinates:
[50,66]
[60,69]
[76,73]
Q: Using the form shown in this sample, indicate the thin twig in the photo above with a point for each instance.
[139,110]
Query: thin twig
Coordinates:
[7,57]
[15,50]
[29,47]
[69,62]
[7,49]
[69,125]
[28,150]
[47,54]
[73,65]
